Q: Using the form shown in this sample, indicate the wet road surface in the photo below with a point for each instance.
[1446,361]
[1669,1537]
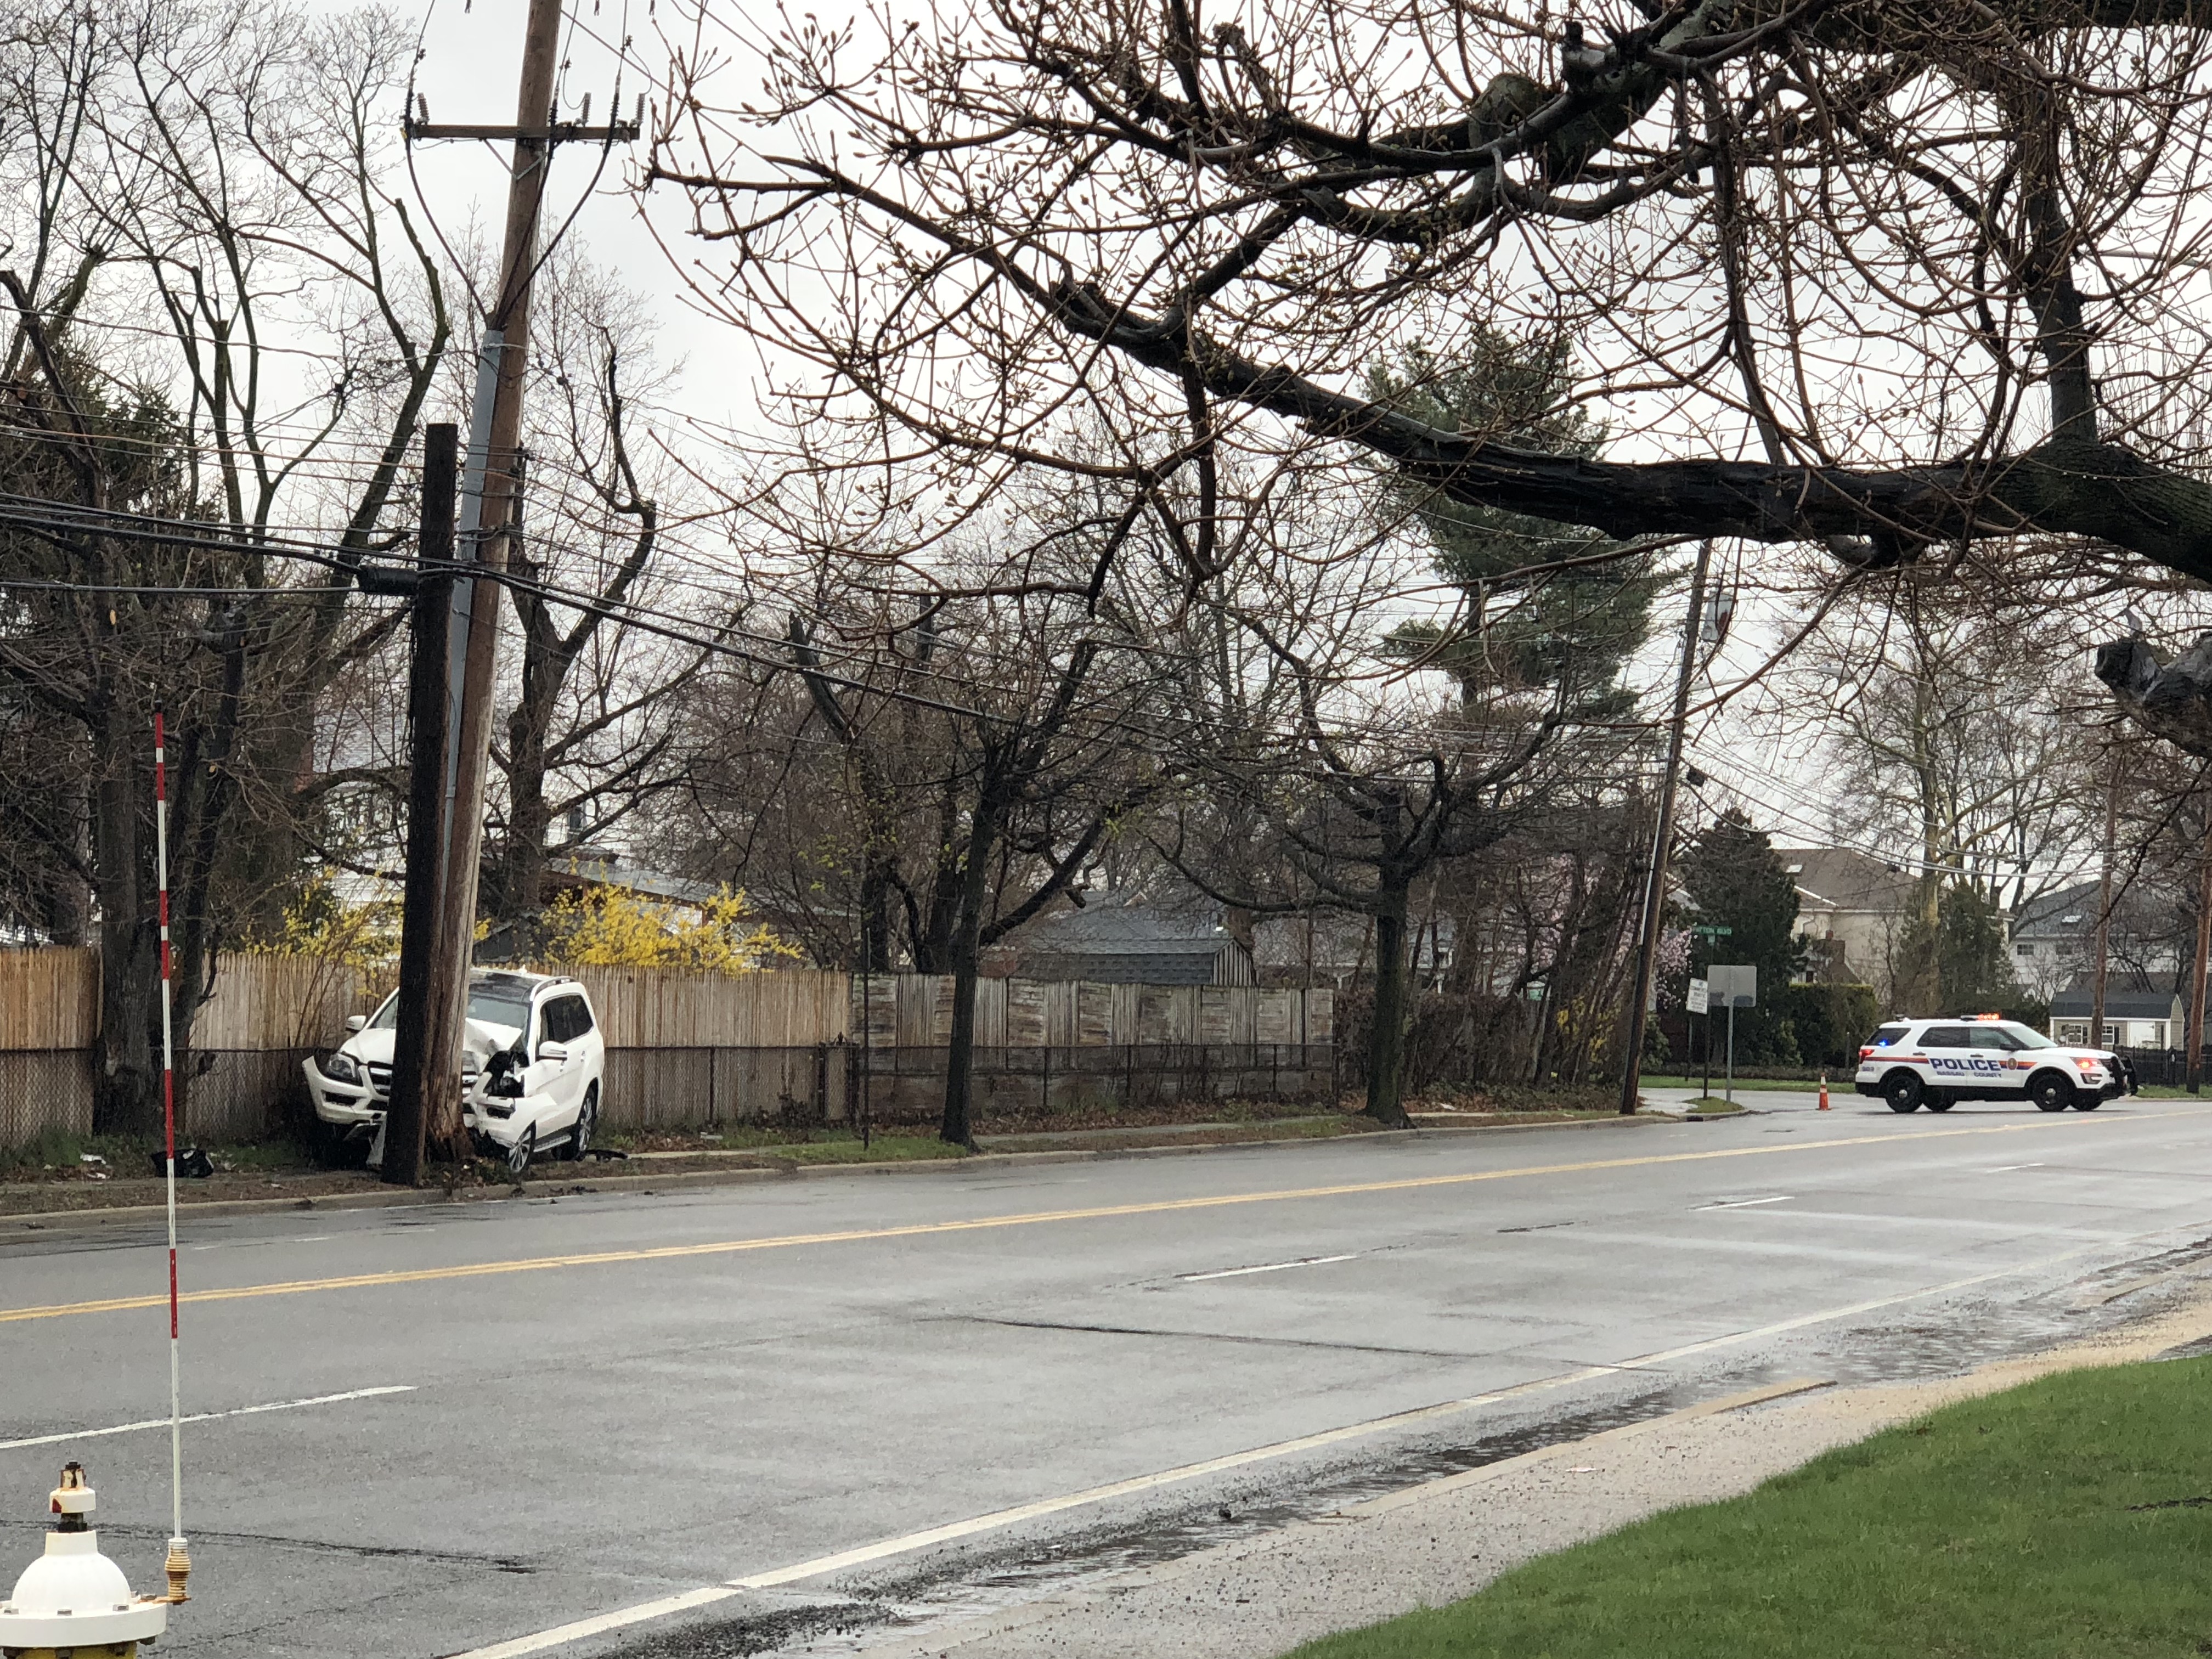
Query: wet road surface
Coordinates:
[868,1402]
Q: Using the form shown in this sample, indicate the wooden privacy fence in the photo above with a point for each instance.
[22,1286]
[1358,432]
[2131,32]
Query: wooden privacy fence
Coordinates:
[49,1018]
[687,1048]
[267,1013]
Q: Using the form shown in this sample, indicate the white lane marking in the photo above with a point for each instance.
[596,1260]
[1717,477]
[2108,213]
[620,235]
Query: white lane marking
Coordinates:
[1271,1267]
[1745,1203]
[707,1595]
[2003,1168]
[561,1635]
[208,1417]
[264,1243]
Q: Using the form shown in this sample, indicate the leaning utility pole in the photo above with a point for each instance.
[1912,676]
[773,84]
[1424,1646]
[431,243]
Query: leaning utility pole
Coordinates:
[491,493]
[1654,884]
[419,928]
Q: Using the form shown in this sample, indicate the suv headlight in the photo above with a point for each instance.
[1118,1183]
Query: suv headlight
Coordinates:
[339,1067]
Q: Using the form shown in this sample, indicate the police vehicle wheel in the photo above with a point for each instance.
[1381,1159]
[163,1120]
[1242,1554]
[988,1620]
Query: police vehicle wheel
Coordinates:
[1902,1090]
[1933,1104]
[2050,1091]
[2086,1101]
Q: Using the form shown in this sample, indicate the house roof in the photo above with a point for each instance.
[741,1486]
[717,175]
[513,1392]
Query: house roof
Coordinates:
[1837,877]
[1113,924]
[2071,911]
[2126,997]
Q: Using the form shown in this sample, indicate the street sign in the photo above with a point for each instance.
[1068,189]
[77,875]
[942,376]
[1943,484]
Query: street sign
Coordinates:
[1735,986]
[1714,933]
[1700,994]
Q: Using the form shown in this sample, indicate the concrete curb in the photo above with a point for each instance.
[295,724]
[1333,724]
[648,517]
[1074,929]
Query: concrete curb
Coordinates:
[48,1221]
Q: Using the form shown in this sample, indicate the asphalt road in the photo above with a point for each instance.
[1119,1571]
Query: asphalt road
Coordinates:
[600,1403]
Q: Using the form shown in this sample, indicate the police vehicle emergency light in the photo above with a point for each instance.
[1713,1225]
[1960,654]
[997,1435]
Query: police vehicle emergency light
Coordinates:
[1937,1063]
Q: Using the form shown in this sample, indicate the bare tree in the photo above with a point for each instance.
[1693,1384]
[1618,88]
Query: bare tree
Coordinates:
[588,743]
[1937,269]
[208,178]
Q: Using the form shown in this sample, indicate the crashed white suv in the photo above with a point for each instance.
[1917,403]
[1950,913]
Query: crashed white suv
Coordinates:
[1937,1063]
[531,1076]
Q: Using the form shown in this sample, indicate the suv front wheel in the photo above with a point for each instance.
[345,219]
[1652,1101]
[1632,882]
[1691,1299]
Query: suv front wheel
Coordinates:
[2050,1091]
[1902,1090]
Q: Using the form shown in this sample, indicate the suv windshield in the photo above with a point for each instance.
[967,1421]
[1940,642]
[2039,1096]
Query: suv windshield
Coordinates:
[500,1005]
[492,1004]
[2026,1036]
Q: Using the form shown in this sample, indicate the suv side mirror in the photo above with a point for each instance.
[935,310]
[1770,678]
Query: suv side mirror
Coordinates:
[356,1021]
[552,1051]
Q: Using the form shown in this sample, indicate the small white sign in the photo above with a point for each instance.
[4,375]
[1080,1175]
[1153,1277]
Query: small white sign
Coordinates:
[1699,998]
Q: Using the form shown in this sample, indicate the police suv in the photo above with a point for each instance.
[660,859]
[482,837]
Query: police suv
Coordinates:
[1937,1063]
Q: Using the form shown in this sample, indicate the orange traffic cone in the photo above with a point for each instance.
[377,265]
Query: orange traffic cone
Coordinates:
[1824,1092]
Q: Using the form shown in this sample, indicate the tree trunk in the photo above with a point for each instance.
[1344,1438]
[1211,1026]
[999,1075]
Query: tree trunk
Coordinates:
[518,873]
[1386,1039]
[126,1086]
[967,943]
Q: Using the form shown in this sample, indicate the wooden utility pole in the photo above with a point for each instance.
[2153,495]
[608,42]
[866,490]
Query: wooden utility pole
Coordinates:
[2104,941]
[491,496]
[1655,886]
[426,803]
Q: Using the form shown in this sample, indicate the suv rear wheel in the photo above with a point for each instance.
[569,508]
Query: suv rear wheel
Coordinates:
[1902,1090]
[2051,1091]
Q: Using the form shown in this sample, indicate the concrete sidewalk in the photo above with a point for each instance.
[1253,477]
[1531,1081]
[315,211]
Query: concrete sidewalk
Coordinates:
[1447,1538]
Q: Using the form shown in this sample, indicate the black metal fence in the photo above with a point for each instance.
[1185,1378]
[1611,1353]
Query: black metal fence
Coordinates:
[2163,1066]
[906,1083]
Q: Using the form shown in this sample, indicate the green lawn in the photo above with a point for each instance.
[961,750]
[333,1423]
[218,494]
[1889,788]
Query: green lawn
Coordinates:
[2072,1516]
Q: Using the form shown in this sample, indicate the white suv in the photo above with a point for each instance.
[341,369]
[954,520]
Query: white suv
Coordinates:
[530,1080]
[1937,1063]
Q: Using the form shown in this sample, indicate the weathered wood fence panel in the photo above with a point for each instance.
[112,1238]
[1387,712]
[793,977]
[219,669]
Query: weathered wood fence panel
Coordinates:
[49,999]
[687,1048]
[651,1008]
[914,1011]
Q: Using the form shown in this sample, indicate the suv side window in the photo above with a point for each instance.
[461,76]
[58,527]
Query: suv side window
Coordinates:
[565,1019]
[1996,1036]
[1945,1036]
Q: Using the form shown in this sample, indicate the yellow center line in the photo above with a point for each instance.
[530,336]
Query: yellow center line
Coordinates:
[983,1224]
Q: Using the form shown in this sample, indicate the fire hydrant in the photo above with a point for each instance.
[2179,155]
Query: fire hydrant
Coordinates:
[73,1598]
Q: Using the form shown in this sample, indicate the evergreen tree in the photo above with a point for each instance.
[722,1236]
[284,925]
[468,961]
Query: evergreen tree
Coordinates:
[1734,880]
[1566,631]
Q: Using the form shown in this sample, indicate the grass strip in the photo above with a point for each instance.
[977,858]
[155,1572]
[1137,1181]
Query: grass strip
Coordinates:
[2070,1518]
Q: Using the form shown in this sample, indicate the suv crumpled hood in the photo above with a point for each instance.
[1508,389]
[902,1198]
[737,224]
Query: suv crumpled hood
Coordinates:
[479,1041]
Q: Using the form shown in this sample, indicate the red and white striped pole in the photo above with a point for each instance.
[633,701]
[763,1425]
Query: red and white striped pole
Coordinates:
[178,1563]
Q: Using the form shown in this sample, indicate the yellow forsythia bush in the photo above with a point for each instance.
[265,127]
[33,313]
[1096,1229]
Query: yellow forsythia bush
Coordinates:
[613,927]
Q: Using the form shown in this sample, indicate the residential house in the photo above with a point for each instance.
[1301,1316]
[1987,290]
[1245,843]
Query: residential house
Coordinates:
[1331,947]
[1852,911]
[2137,1015]
[2054,940]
